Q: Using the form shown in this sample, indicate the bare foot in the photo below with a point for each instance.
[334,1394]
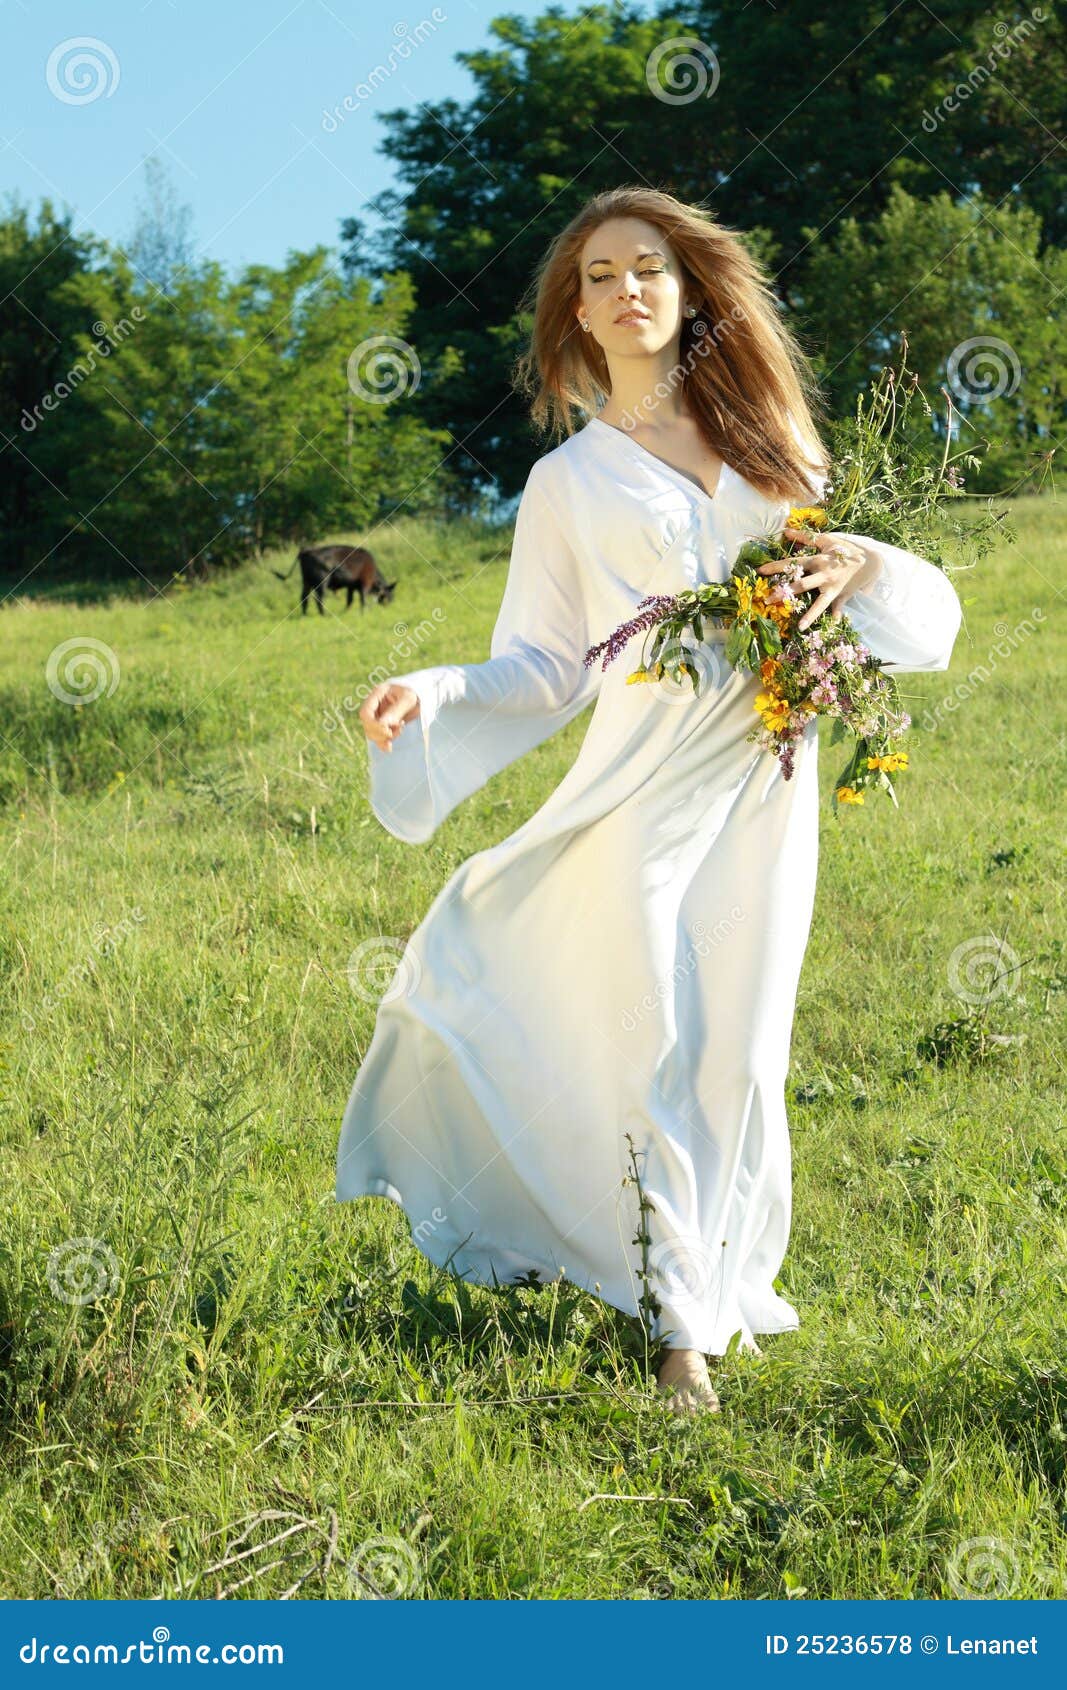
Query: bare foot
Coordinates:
[684,1379]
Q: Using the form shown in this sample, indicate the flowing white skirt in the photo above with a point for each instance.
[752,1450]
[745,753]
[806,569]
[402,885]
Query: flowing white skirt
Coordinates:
[625,963]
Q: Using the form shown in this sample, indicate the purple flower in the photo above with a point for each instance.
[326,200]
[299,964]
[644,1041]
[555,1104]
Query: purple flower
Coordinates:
[659,606]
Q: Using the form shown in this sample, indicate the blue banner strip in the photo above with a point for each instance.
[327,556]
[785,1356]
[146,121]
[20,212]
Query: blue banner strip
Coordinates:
[512,1645]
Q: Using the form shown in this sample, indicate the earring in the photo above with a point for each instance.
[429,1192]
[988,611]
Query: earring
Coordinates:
[584,324]
[690,310]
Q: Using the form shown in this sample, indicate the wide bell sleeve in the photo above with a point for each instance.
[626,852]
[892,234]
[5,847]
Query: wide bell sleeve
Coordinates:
[910,614]
[476,718]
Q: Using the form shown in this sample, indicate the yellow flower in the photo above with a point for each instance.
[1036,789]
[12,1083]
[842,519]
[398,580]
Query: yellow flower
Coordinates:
[773,709]
[769,668]
[893,761]
[652,674]
[849,795]
[806,516]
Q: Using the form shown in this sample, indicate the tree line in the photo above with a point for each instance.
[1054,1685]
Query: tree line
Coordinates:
[892,173]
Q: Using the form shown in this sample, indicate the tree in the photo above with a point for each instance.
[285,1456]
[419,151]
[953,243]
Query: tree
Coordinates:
[153,430]
[319,427]
[50,297]
[976,294]
[161,248]
[800,117]
[151,475]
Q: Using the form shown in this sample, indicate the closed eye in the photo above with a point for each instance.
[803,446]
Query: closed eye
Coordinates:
[608,274]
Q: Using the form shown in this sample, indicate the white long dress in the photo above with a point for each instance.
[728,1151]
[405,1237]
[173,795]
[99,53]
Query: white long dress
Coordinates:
[627,961]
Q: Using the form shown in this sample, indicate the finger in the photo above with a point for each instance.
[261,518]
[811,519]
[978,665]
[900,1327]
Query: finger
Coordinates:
[382,731]
[789,563]
[391,714]
[814,611]
[807,584]
[821,542]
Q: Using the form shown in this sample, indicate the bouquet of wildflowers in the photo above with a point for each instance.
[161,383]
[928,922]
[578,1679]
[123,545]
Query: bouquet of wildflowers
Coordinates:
[882,483]
[821,670]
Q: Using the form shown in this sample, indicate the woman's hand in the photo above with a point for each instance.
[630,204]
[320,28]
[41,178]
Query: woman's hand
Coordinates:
[842,568]
[385,710]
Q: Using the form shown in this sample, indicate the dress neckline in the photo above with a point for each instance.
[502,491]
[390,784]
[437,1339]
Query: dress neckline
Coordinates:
[683,475]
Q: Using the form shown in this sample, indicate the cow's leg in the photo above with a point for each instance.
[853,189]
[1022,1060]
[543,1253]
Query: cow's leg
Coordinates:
[305,594]
[318,598]
[351,596]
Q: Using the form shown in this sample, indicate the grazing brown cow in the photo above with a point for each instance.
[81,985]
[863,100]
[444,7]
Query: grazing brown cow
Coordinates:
[350,567]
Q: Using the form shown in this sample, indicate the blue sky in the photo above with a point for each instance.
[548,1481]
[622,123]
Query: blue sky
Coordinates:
[231,95]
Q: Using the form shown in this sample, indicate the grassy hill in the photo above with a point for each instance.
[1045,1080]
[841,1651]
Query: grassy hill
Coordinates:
[189,863]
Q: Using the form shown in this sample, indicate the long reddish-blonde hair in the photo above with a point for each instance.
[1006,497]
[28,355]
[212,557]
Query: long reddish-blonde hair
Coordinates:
[742,389]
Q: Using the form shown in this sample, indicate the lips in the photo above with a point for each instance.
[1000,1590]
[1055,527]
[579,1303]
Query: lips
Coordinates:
[633,317]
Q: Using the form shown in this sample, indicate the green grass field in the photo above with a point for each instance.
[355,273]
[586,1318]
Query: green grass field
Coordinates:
[235,1385]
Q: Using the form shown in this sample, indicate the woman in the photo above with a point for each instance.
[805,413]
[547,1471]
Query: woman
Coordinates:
[610,991]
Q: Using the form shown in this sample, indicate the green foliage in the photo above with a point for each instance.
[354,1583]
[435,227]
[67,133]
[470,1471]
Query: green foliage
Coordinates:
[49,299]
[165,431]
[221,420]
[811,118]
[970,277]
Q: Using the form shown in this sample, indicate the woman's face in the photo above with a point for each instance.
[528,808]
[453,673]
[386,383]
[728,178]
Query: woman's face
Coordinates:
[631,287]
